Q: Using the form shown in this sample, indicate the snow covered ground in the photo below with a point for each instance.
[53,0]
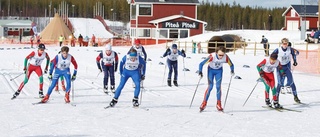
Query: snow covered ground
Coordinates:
[164,111]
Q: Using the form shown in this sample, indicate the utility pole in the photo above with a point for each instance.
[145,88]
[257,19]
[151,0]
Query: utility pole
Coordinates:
[318,14]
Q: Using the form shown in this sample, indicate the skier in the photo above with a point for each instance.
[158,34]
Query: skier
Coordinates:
[132,65]
[109,60]
[140,49]
[215,70]
[61,65]
[285,53]
[266,45]
[265,69]
[141,52]
[61,78]
[36,58]
[172,61]
[61,39]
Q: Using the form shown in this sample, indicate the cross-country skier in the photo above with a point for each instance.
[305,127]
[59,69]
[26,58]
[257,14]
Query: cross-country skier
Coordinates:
[285,53]
[109,60]
[141,52]
[61,78]
[61,65]
[172,62]
[265,69]
[35,59]
[215,70]
[134,67]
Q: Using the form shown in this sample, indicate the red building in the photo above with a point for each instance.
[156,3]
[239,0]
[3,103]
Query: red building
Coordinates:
[158,21]
[297,13]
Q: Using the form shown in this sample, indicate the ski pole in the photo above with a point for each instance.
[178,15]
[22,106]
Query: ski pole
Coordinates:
[141,87]
[164,73]
[72,91]
[195,92]
[98,73]
[227,92]
[250,93]
[16,76]
[184,71]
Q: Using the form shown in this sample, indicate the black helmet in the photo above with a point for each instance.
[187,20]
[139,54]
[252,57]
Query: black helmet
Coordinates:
[41,46]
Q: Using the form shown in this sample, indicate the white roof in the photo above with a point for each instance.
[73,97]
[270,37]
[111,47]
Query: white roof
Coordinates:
[156,21]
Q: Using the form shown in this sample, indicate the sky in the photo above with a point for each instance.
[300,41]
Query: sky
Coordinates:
[164,111]
[266,3]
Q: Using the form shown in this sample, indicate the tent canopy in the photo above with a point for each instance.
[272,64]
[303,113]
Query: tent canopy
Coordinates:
[54,29]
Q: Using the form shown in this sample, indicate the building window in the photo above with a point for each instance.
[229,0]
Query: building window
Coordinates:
[16,29]
[132,32]
[10,29]
[163,34]
[143,32]
[173,34]
[145,9]
[184,33]
[133,11]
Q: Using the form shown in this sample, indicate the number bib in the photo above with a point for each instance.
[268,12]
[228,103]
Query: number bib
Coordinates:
[284,56]
[217,63]
[132,64]
[63,63]
[36,60]
[173,56]
[108,60]
[268,67]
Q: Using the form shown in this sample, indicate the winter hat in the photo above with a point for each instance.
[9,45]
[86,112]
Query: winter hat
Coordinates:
[174,46]
[108,47]
[41,46]
[137,41]
[274,56]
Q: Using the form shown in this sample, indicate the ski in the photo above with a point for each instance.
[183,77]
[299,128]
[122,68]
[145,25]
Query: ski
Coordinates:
[282,109]
[272,108]
[74,105]
[107,107]
[36,103]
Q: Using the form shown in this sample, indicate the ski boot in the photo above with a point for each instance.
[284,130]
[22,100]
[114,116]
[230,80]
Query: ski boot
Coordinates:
[105,90]
[296,99]
[169,82]
[15,94]
[113,102]
[276,104]
[203,106]
[282,90]
[45,99]
[112,88]
[66,98]
[135,102]
[268,102]
[41,94]
[175,83]
[219,107]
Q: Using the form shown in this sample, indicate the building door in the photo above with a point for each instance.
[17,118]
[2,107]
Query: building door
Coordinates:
[292,25]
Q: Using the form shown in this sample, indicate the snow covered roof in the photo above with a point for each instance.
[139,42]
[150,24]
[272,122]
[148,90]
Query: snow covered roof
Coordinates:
[174,17]
[167,1]
[15,23]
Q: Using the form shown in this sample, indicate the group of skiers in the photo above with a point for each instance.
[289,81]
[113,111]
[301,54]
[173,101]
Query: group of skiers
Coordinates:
[133,65]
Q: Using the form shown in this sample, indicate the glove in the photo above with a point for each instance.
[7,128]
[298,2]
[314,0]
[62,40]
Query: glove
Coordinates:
[200,74]
[100,69]
[143,77]
[168,50]
[295,63]
[45,71]
[50,77]
[232,72]
[25,70]
[73,77]
[182,51]
[261,74]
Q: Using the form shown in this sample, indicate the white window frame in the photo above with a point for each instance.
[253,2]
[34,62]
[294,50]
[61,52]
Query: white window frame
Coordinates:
[151,9]
[141,31]
[293,13]
[133,14]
